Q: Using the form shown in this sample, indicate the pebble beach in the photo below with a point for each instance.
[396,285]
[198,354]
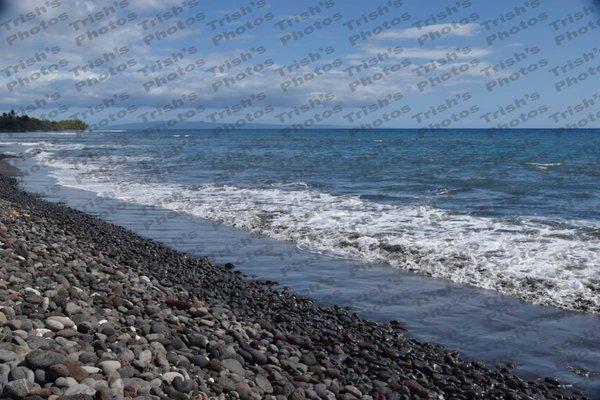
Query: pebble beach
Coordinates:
[90,310]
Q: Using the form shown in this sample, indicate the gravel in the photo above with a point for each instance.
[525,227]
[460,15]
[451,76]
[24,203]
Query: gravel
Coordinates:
[89,310]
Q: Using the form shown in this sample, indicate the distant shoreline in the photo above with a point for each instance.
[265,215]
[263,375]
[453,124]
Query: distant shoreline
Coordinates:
[46,131]
[13,122]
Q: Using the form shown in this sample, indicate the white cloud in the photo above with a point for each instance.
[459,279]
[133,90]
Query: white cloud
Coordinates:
[200,80]
[415,52]
[444,29]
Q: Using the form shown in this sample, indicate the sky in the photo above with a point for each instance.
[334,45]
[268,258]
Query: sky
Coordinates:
[379,64]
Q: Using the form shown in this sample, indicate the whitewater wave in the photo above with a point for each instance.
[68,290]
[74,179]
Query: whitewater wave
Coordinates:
[63,133]
[21,143]
[542,261]
[543,166]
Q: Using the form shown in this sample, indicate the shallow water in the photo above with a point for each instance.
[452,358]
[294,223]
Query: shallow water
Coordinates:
[480,323]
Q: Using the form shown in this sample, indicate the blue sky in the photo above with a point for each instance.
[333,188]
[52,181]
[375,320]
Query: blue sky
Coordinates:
[408,63]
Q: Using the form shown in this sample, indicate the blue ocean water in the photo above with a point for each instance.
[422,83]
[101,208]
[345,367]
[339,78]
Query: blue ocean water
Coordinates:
[515,211]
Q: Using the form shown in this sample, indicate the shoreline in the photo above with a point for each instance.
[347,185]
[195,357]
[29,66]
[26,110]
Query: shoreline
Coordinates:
[295,348]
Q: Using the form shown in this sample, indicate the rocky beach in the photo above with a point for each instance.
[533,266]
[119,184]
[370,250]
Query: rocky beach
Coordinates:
[90,310]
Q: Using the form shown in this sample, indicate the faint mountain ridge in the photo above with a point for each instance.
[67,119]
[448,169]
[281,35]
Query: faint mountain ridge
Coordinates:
[210,125]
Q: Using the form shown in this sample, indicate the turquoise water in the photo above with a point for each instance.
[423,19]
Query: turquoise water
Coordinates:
[517,212]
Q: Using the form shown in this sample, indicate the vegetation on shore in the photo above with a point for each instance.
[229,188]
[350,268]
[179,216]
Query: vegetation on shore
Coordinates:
[11,122]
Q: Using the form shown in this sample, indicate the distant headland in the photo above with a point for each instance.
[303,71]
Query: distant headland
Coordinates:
[11,122]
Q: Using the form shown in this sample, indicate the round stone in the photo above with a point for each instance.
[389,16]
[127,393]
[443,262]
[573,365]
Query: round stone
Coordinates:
[43,359]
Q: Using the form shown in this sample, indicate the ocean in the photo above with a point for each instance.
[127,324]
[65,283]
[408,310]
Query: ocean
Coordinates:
[465,236]
[517,212]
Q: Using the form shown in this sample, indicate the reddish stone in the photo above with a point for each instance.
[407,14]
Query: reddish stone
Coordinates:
[130,392]
[416,388]
[76,371]
[42,392]
[180,304]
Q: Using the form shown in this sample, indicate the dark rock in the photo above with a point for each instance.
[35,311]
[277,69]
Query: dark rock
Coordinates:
[180,304]
[43,359]
[56,371]
[416,388]
[17,389]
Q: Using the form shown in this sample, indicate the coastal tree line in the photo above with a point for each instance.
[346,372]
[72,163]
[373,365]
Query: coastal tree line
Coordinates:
[11,122]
